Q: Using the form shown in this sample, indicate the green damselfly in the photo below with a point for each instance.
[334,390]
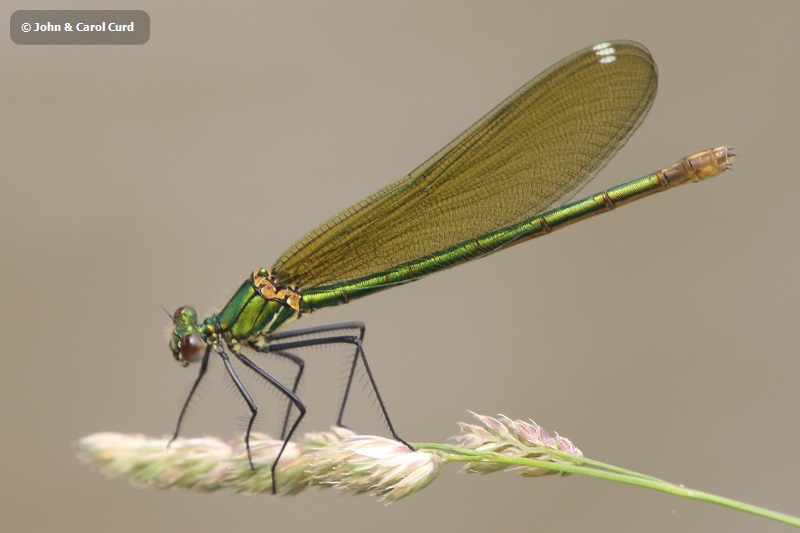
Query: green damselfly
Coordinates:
[501,182]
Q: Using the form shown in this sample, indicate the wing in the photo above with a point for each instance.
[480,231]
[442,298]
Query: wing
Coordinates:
[532,152]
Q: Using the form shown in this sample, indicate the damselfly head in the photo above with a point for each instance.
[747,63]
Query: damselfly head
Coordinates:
[187,341]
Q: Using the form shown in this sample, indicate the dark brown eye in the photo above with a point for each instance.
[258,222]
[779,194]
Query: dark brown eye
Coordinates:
[191,348]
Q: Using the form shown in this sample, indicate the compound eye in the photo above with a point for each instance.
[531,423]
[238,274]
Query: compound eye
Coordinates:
[185,315]
[192,347]
[176,316]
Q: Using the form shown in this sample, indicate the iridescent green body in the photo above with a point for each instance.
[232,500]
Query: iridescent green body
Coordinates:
[539,225]
[250,314]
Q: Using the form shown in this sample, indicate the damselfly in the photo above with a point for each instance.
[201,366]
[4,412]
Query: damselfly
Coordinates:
[501,182]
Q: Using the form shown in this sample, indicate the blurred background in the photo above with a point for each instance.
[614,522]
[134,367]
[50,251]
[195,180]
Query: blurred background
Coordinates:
[659,338]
